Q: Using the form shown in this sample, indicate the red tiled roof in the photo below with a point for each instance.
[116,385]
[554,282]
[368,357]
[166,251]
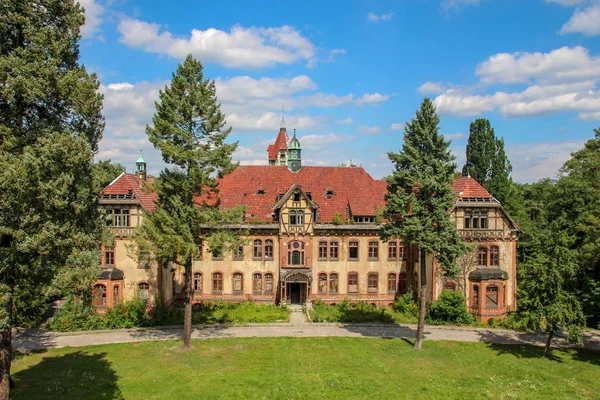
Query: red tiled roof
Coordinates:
[125,183]
[281,143]
[467,187]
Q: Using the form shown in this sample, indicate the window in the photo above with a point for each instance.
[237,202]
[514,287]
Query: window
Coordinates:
[268,283]
[115,294]
[257,253]
[118,217]
[353,283]
[268,249]
[333,251]
[391,283]
[296,253]
[475,300]
[217,282]
[494,256]
[373,283]
[476,219]
[238,283]
[333,283]
[323,251]
[329,193]
[144,292]
[197,282]
[144,260]
[403,283]
[199,250]
[323,283]
[297,217]
[491,297]
[109,257]
[373,251]
[392,251]
[449,285]
[353,250]
[296,196]
[402,250]
[217,254]
[238,254]
[482,257]
[100,295]
[257,283]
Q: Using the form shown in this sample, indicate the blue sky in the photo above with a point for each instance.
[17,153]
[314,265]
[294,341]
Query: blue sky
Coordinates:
[351,73]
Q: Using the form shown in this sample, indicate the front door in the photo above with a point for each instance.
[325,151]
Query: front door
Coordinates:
[296,292]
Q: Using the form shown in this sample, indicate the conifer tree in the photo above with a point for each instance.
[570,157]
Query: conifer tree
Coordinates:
[189,130]
[50,125]
[487,162]
[420,195]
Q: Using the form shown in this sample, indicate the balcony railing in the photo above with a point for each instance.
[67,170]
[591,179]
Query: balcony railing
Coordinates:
[122,231]
[481,233]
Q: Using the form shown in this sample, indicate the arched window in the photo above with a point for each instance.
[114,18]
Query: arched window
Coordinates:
[115,295]
[475,300]
[494,256]
[198,282]
[322,283]
[238,254]
[403,283]
[217,282]
[333,250]
[238,282]
[491,297]
[144,292]
[100,295]
[296,253]
[372,282]
[269,283]
[353,282]
[373,251]
[257,253]
[482,257]
[391,283]
[333,283]
[268,249]
[257,283]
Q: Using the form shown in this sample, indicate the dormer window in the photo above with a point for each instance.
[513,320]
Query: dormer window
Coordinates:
[260,191]
[296,217]
[476,219]
[329,193]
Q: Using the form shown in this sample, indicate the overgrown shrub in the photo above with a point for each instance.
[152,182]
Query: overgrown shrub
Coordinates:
[407,304]
[127,314]
[450,307]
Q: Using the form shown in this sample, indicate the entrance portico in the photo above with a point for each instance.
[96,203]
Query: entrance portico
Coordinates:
[295,286]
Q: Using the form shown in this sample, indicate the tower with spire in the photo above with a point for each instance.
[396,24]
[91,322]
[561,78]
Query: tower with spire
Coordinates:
[278,152]
[140,167]
[295,154]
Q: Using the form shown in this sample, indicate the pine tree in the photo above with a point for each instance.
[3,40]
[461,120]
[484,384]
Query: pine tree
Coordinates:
[420,195]
[487,162]
[189,131]
[50,125]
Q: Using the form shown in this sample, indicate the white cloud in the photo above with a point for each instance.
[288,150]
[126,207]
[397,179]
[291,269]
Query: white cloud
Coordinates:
[93,18]
[456,5]
[316,143]
[241,47]
[454,136]
[535,161]
[372,98]
[558,66]
[240,89]
[345,121]
[335,52]
[567,3]
[372,17]
[324,100]
[431,88]
[396,127]
[369,130]
[269,121]
[584,20]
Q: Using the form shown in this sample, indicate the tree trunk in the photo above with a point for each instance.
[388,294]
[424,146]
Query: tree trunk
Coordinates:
[187,316]
[422,310]
[548,341]
[5,356]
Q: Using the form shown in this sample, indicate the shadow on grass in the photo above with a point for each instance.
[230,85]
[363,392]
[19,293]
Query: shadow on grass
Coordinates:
[78,375]
[176,333]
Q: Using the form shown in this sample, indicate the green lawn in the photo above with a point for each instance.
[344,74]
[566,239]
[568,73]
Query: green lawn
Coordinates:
[306,368]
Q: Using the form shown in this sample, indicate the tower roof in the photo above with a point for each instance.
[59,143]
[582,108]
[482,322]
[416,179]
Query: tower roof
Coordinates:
[294,143]
[281,143]
[140,159]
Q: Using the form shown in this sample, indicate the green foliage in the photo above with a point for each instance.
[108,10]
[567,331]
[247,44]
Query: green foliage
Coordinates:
[419,195]
[104,173]
[230,313]
[450,307]
[29,305]
[359,312]
[337,219]
[407,304]
[379,215]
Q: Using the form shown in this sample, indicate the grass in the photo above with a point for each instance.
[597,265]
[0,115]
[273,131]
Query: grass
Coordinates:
[360,312]
[306,368]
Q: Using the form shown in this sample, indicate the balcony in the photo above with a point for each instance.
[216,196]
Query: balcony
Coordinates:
[481,234]
[122,231]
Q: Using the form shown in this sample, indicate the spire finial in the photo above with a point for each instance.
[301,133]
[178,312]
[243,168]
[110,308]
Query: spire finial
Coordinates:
[282,124]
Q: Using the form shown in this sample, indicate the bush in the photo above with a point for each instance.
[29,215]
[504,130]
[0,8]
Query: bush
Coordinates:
[127,314]
[450,307]
[407,305]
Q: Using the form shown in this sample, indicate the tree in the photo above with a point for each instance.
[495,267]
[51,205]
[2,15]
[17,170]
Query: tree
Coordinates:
[50,125]
[487,162]
[189,131]
[105,172]
[419,197]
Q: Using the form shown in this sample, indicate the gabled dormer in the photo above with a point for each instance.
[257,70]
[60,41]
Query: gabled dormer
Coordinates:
[296,211]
